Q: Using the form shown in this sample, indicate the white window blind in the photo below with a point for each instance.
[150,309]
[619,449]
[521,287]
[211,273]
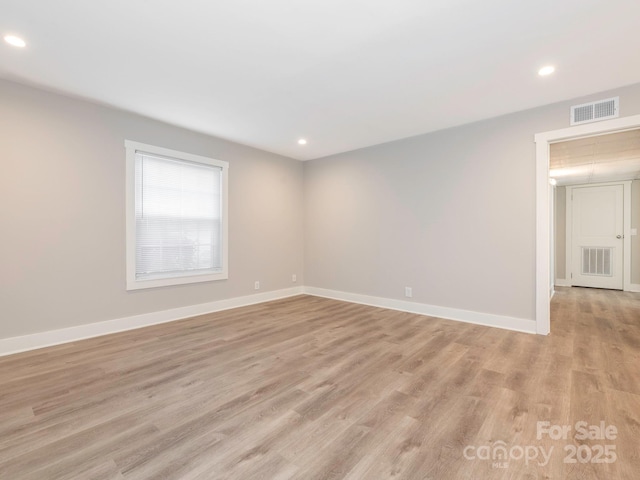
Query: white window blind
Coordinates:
[178,217]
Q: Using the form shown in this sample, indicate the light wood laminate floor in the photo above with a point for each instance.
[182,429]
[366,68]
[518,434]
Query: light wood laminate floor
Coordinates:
[310,388]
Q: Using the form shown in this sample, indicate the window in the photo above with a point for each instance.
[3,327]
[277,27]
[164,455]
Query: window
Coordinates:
[176,217]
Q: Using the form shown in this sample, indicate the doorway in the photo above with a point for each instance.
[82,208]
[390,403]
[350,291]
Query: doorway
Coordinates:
[544,201]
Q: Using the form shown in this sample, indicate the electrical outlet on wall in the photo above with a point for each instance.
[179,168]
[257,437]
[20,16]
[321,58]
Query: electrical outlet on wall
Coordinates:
[294,278]
[408,292]
[256,285]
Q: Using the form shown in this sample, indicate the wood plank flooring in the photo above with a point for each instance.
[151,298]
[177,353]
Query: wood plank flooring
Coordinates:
[310,388]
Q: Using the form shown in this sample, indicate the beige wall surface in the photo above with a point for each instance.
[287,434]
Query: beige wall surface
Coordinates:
[450,214]
[62,214]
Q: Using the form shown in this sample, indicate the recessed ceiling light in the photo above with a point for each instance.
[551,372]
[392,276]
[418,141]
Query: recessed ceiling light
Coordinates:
[302,141]
[548,70]
[15,41]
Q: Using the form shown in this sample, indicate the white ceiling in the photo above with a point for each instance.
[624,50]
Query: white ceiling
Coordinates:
[342,73]
[602,158]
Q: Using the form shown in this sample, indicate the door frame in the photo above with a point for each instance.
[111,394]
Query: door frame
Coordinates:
[543,217]
[626,229]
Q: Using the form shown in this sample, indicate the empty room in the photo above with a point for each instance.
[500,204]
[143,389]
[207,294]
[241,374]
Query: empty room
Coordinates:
[319,240]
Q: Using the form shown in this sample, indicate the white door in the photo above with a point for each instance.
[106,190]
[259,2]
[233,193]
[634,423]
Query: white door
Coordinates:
[597,231]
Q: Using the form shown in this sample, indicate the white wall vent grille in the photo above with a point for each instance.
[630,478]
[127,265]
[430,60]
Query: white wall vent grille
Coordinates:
[597,261]
[595,111]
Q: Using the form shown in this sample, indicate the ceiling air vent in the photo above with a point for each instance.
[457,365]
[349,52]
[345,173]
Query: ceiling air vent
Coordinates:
[595,111]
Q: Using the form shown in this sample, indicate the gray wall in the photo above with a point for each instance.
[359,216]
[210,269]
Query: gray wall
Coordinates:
[450,214]
[62,211]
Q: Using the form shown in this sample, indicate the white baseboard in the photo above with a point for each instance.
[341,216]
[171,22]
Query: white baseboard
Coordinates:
[486,319]
[634,287]
[72,334]
[34,341]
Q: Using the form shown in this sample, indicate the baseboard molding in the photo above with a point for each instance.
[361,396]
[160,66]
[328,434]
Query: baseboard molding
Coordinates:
[486,319]
[34,341]
[634,287]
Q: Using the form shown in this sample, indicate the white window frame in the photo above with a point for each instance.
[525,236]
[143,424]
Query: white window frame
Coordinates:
[133,283]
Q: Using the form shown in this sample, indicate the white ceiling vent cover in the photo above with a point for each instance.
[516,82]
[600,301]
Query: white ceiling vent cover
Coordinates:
[595,111]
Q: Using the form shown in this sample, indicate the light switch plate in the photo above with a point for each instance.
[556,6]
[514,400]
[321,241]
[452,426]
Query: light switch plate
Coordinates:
[634,231]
